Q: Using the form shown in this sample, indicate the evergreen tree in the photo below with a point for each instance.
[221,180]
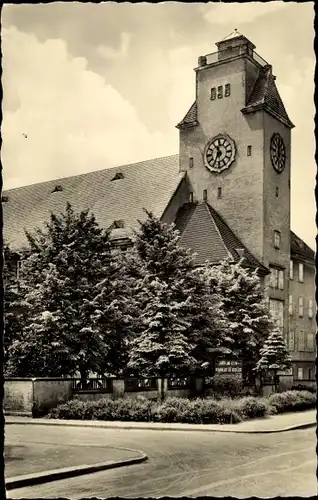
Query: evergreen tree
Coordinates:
[274,355]
[14,307]
[66,265]
[175,323]
[244,306]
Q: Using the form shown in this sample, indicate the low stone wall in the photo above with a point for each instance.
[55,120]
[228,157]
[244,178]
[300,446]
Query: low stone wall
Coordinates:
[50,392]
[34,397]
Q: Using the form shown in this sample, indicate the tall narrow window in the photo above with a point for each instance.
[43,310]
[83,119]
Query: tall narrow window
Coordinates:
[276,309]
[191,162]
[290,305]
[301,272]
[310,341]
[213,93]
[291,341]
[291,270]
[220,92]
[191,197]
[277,239]
[281,280]
[227,90]
[301,340]
[277,192]
[219,192]
[310,309]
[300,307]
[249,150]
[300,373]
[205,194]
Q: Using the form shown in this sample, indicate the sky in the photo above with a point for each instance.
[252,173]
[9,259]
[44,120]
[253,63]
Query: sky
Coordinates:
[91,86]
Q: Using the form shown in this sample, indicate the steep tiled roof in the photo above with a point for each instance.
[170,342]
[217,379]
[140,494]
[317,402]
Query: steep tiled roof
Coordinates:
[190,118]
[266,96]
[299,249]
[205,232]
[149,184]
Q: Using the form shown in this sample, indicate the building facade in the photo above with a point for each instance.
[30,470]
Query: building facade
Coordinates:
[228,190]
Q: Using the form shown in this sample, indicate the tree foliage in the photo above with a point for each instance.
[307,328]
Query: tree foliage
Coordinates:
[66,274]
[274,354]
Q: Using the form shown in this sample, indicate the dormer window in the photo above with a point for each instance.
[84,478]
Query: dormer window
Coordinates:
[118,176]
[118,224]
[57,188]
[4,199]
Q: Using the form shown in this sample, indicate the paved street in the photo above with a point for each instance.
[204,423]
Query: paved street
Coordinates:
[183,463]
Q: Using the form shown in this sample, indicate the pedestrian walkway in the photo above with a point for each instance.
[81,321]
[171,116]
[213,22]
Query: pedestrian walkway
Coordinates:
[275,423]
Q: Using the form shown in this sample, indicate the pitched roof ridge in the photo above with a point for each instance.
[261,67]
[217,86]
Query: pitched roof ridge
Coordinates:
[118,167]
[208,208]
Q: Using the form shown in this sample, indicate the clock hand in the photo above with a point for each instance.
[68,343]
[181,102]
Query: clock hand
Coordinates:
[216,156]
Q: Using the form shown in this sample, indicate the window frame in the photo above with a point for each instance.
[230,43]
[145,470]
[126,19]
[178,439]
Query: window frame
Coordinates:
[277,234]
[301,273]
[310,309]
[290,305]
[220,92]
[291,269]
[227,90]
[249,150]
[213,94]
[300,306]
[300,369]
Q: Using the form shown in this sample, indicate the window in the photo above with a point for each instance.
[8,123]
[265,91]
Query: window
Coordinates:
[310,341]
[290,305]
[219,192]
[213,93]
[205,194]
[300,373]
[310,310]
[191,197]
[220,92]
[4,199]
[311,375]
[300,307]
[301,272]
[291,270]
[301,340]
[118,224]
[277,239]
[118,176]
[190,162]
[291,341]
[57,189]
[277,192]
[227,90]
[276,308]
[249,150]
[276,278]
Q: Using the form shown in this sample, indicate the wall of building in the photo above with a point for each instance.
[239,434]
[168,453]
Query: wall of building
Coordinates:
[180,197]
[303,355]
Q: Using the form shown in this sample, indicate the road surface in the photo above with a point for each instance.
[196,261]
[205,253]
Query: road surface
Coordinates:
[183,463]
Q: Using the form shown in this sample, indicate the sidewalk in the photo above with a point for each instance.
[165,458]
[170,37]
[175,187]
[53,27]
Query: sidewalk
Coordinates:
[276,423]
[39,460]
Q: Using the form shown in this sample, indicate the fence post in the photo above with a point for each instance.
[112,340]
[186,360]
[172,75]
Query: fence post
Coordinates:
[118,388]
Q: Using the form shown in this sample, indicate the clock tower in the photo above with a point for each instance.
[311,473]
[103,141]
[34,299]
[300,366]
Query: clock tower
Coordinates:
[235,147]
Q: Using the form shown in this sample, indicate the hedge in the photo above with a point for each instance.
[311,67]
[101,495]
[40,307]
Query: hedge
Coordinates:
[196,411]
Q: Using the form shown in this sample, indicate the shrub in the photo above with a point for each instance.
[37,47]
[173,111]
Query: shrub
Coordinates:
[226,386]
[292,401]
[303,387]
[251,407]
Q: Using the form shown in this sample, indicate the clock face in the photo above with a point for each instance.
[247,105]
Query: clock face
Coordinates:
[219,153]
[278,153]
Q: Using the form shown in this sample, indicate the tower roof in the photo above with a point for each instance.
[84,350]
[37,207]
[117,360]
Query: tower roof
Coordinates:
[234,34]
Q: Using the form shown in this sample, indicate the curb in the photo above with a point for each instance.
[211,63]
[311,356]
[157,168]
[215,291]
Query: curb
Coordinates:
[182,427]
[67,472]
